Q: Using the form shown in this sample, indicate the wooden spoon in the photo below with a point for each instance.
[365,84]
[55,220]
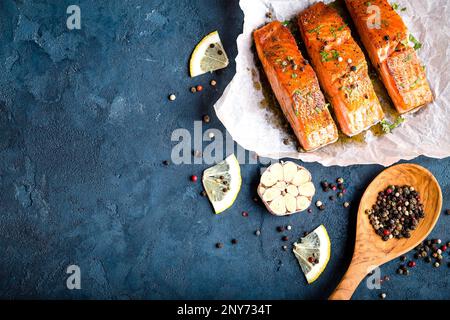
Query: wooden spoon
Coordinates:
[370,250]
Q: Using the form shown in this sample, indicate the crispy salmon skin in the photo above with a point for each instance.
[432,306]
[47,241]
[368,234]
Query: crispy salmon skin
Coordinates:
[341,68]
[295,86]
[386,41]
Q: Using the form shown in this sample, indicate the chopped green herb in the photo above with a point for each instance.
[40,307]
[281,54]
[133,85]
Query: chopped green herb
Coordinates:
[385,23]
[403,9]
[395,6]
[417,44]
[368,3]
[335,54]
[316,29]
[324,56]
[294,76]
[342,27]
[333,32]
[415,83]
[388,127]
[286,23]
[318,110]
[407,58]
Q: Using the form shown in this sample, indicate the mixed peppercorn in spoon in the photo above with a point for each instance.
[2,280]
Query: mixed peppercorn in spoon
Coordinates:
[396,213]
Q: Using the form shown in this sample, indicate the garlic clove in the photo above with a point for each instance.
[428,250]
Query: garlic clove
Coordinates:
[289,169]
[307,189]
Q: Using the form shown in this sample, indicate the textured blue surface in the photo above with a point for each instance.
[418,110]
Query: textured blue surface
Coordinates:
[84,127]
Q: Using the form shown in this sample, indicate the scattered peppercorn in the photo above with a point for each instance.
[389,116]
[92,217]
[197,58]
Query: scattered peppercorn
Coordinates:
[194,178]
[257,232]
[206,118]
[284,248]
[245,214]
[383,296]
[213,83]
[340,180]
[322,207]
[289,228]
[172,97]
[332,198]
[285,238]
[386,37]
[193,89]
[280,228]
[166,163]
[234,241]
[346,204]
[309,210]
[219,245]
[203,193]
[199,88]
[325,186]
[403,258]
[353,68]
[448,212]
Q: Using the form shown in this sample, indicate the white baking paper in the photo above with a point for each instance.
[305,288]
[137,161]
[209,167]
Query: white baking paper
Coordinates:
[426,132]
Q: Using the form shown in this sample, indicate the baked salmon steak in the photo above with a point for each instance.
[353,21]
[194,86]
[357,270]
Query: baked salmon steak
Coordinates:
[295,86]
[341,68]
[387,42]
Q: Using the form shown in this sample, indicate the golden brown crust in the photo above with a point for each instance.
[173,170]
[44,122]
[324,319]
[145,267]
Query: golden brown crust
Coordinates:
[296,87]
[341,68]
[398,64]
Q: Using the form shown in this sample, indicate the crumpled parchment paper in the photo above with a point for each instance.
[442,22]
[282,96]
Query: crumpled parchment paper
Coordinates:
[426,132]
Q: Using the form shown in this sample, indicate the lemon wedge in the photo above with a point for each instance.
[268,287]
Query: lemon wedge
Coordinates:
[313,253]
[222,183]
[208,56]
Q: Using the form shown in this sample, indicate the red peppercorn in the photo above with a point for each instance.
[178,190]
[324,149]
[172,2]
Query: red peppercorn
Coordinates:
[386,232]
[245,214]
[311,260]
[444,248]
[199,88]
[194,178]
[411,264]
[389,191]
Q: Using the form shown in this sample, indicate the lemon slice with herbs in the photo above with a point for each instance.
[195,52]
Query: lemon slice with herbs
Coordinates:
[222,183]
[313,253]
[208,55]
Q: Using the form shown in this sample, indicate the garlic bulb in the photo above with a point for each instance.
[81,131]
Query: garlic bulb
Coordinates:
[286,188]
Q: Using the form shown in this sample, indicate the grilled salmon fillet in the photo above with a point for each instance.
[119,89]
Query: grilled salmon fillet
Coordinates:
[388,48]
[295,86]
[341,68]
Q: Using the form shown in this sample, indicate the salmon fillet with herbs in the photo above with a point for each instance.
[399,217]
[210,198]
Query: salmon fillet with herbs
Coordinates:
[341,68]
[295,86]
[387,42]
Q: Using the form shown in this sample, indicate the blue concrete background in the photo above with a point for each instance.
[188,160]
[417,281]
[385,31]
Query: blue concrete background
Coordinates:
[84,127]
